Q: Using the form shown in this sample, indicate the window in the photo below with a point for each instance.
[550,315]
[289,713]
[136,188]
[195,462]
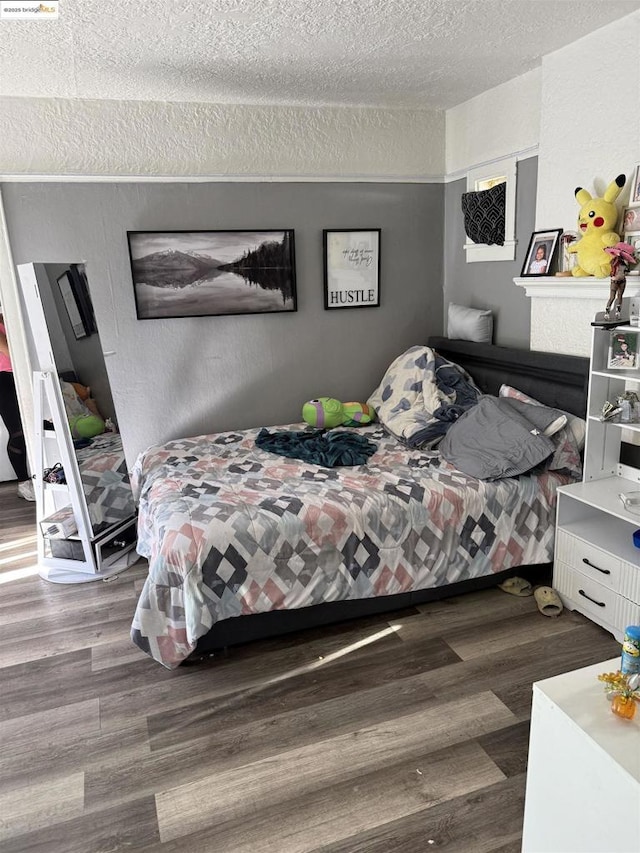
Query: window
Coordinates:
[483,178]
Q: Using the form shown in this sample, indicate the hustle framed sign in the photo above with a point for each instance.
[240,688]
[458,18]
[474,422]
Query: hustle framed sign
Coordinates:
[351,268]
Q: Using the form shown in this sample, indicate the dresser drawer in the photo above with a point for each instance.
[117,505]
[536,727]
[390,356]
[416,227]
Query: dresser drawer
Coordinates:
[596,601]
[594,563]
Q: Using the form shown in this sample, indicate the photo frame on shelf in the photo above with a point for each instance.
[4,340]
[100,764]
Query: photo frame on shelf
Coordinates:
[212,273]
[634,198]
[351,268]
[623,351]
[633,239]
[540,253]
[631,219]
[71,304]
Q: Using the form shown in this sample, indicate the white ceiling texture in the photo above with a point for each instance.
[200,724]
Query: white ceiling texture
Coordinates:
[430,54]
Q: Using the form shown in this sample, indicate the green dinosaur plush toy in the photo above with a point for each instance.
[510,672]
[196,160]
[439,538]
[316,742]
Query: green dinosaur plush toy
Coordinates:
[327,412]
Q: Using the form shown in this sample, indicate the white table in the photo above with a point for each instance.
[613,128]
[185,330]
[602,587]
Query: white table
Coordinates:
[583,776]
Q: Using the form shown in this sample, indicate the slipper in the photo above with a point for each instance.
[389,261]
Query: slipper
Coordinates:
[548,601]
[516,586]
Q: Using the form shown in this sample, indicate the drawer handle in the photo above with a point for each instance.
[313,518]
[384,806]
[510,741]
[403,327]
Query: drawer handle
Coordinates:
[584,595]
[597,568]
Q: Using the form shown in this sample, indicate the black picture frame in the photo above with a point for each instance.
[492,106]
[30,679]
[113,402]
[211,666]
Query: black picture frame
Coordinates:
[210,273]
[83,298]
[351,268]
[546,241]
[69,297]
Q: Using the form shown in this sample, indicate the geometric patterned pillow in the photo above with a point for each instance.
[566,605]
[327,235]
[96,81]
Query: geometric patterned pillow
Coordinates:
[484,215]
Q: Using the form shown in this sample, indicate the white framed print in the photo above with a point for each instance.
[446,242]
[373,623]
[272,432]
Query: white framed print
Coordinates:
[351,268]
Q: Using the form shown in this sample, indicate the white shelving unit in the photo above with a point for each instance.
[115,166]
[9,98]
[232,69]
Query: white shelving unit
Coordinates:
[597,566]
[81,556]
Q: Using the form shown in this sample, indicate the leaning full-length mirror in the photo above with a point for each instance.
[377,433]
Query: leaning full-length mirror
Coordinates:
[80,368]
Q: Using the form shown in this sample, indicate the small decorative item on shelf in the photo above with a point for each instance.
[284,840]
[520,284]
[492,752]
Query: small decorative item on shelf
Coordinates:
[568,260]
[631,502]
[629,407]
[609,411]
[623,692]
[54,475]
[624,257]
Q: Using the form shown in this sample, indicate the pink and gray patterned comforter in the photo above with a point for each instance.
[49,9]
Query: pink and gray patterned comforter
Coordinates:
[229,530]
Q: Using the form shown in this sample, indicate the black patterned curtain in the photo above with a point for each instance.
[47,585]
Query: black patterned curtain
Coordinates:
[484,215]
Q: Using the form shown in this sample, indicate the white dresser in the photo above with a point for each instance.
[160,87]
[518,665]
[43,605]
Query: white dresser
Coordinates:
[583,774]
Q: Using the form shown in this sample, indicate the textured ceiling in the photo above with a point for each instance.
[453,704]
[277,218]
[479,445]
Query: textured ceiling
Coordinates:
[380,53]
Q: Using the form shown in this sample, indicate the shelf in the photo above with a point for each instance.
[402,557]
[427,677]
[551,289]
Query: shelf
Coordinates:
[602,495]
[608,534]
[632,425]
[56,487]
[631,375]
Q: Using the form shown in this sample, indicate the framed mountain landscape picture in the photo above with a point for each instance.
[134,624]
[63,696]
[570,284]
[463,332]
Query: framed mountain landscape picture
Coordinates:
[204,273]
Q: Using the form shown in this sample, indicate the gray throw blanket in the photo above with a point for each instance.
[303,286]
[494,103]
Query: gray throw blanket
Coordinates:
[421,395]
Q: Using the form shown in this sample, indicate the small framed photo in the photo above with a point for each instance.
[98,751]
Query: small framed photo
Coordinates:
[623,351]
[633,239]
[631,219]
[351,268]
[634,198]
[540,253]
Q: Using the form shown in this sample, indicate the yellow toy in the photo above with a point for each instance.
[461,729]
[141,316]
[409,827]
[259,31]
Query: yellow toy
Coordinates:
[596,222]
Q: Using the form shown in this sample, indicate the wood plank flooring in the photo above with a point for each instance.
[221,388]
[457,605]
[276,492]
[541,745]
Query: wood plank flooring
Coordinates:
[393,734]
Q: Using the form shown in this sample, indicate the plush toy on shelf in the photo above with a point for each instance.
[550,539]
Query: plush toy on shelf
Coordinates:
[597,220]
[327,412]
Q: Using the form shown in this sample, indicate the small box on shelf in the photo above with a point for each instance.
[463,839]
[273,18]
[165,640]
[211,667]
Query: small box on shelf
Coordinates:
[60,524]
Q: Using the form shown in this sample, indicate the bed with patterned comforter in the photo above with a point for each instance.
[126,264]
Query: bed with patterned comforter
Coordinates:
[230,529]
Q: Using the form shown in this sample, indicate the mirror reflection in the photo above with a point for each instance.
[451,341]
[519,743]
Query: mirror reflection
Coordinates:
[86,393]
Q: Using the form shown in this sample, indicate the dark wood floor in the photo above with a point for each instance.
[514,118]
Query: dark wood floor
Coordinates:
[387,735]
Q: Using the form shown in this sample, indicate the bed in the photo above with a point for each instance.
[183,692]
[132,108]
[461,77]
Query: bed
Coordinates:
[244,544]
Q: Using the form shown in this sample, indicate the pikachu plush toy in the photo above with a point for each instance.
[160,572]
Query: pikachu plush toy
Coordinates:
[597,220]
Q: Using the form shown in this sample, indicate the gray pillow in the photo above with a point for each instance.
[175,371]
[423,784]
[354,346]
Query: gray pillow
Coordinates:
[470,324]
[493,440]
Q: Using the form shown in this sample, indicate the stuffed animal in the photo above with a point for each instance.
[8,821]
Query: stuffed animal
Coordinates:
[596,222]
[327,412]
[86,426]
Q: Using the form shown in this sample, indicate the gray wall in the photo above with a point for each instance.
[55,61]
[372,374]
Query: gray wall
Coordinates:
[171,378]
[490,284]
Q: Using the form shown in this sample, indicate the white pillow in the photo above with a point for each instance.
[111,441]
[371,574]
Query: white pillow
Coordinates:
[470,324]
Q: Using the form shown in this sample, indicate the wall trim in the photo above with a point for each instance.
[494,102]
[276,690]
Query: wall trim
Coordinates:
[12,177]
[523,154]
[195,179]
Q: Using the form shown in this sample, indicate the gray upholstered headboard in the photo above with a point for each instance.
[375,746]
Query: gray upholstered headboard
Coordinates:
[556,380]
